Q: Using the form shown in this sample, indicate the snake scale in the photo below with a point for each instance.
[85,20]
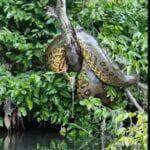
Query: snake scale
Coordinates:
[97,68]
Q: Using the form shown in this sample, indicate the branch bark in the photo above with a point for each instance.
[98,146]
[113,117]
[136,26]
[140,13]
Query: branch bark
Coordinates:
[133,100]
[74,54]
[142,86]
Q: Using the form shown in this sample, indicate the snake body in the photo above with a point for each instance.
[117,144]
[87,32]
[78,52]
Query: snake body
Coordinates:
[56,56]
[89,85]
[101,64]
[97,68]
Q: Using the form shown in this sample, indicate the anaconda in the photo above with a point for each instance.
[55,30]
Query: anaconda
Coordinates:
[101,64]
[56,56]
[97,66]
[87,83]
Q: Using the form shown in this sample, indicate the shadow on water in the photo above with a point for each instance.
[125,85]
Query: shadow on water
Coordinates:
[44,140]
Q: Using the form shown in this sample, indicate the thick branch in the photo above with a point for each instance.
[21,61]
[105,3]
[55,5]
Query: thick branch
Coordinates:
[133,100]
[142,86]
[73,48]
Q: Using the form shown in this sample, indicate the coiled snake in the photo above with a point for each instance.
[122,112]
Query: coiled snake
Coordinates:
[97,68]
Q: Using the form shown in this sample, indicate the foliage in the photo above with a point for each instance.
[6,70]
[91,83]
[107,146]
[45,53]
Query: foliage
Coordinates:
[128,136]
[45,95]
[25,32]
[135,136]
[1,122]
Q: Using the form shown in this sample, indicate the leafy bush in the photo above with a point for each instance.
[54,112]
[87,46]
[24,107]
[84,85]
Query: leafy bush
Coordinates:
[25,32]
[45,95]
[135,136]
[101,119]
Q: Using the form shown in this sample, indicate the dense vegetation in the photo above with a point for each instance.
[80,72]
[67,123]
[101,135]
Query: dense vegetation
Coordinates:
[26,31]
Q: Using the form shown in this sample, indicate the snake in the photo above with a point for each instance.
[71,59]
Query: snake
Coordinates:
[98,70]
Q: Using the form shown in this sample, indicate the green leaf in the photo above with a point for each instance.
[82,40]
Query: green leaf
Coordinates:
[98,112]
[23,111]
[29,103]
[1,122]
[82,103]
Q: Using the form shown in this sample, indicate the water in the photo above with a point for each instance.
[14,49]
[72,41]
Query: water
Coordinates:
[45,140]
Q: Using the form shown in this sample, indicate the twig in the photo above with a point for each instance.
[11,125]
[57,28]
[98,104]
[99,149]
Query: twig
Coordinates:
[79,127]
[51,11]
[133,100]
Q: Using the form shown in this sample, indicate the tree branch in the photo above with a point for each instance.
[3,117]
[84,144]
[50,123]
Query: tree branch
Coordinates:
[142,86]
[133,100]
[73,52]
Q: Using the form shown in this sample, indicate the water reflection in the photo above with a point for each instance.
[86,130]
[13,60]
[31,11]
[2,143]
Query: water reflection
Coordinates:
[45,140]
[27,140]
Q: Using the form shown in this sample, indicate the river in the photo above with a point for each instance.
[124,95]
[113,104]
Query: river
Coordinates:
[46,140]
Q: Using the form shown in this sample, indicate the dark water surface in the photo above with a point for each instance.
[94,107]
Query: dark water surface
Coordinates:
[46,140]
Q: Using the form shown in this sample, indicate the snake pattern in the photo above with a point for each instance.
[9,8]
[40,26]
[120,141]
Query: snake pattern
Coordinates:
[89,85]
[56,57]
[101,64]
